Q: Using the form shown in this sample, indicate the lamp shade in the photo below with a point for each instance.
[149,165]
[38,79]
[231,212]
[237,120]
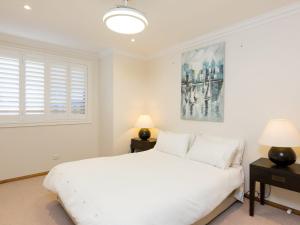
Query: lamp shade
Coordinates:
[280,133]
[144,121]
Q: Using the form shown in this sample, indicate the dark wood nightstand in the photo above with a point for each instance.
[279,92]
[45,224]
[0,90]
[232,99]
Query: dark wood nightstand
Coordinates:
[138,145]
[266,172]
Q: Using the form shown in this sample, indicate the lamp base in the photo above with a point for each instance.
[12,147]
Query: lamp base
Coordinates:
[282,156]
[144,134]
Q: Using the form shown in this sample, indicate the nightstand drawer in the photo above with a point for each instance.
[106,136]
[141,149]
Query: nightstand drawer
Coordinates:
[276,177]
[142,145]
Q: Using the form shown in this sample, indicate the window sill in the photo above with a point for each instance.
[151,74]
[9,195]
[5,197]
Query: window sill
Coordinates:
[36,124]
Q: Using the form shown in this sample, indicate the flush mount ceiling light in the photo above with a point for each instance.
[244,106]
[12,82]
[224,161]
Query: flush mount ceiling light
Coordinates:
[27,7]
[125,20]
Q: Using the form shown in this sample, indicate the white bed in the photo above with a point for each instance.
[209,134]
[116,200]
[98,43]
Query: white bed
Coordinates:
[147,188]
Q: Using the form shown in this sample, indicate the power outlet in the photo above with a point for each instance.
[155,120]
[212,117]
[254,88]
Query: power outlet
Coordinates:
[55,157]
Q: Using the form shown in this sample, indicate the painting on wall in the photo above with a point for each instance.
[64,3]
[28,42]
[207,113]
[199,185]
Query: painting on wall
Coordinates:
[202,83]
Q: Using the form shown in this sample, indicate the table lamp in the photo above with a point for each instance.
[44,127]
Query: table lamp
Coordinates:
[281,135]
[144,122]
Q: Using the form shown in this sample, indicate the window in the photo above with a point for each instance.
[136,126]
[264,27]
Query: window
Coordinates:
[42,89]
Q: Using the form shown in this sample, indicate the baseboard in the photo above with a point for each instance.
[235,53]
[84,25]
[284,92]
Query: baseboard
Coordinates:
[276,205]
[23,177]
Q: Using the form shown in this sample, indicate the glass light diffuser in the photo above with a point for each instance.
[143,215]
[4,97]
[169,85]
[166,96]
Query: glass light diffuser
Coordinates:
[125,20]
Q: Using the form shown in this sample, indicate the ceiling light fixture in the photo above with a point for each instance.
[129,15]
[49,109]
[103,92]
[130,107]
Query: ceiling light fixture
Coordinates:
[27,7]
[125,20]
[132,40]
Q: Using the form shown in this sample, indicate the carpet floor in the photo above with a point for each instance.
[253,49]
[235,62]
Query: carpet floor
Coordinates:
[26,202]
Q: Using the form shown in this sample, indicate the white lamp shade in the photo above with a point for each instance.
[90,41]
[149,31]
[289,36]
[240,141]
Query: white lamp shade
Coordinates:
[144,121]
[280,133]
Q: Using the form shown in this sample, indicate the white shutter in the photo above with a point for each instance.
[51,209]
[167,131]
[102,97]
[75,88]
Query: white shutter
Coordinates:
[58,88]
[34,87]
[78,89]
[9,85]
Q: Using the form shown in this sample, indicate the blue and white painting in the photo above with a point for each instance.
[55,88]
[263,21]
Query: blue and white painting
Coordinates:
[202,83]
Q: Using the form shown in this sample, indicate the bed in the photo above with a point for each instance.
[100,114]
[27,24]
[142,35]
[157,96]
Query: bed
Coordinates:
[146,188]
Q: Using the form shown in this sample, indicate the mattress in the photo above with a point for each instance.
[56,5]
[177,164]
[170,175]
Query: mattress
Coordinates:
[146,188]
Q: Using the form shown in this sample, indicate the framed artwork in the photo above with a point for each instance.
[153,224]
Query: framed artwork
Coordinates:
[202,83]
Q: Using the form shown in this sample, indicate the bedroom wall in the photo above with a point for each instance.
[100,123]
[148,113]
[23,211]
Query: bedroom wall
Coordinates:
[122,92]
[105,103]
[29,150]
[130,82]
[262,80]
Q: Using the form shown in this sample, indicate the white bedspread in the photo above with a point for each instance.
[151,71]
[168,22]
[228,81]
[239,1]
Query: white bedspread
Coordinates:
[147,188]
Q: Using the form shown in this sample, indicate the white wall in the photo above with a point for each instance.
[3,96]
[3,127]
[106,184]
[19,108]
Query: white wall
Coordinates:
[29,150]
[130,76]
[262,77]
[105,104]
[122,94]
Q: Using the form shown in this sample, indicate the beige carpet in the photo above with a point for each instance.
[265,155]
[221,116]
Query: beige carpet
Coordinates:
[28,203]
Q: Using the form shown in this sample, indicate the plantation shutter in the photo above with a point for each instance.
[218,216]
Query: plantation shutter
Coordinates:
[58,88]
[78,89]
[34,87]
[9,85]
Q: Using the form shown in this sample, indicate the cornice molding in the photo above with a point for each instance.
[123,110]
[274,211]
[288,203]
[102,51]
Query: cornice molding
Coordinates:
[44,47]
[111,51]
[238,27]
[105,53]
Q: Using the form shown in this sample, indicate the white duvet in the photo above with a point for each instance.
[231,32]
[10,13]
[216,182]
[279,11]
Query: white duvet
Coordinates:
[147,188]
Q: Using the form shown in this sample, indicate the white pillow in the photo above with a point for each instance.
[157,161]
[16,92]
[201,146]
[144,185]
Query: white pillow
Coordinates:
[237,161]
[215,153]
[172,143]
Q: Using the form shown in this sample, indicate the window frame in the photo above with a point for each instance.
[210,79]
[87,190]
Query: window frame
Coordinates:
[47,118]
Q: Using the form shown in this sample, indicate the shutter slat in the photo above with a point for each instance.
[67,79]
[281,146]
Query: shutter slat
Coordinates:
[55,94]
[7,70]
[9,95]
[58,97]
[9,79]
[9,66]
[9,85]
[8,60]
[35,78]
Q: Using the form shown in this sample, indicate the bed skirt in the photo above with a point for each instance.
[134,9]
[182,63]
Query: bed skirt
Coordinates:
[229,201]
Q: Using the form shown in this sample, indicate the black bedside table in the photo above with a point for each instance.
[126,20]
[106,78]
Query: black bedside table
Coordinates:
[138,145]
[266,172]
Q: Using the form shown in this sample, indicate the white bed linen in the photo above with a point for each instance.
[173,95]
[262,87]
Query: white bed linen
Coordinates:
[147,188]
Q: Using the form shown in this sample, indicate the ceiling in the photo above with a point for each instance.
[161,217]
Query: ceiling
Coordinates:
[78,23]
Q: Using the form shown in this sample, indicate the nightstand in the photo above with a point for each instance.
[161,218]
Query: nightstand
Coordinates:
[266,172]
[138,145]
